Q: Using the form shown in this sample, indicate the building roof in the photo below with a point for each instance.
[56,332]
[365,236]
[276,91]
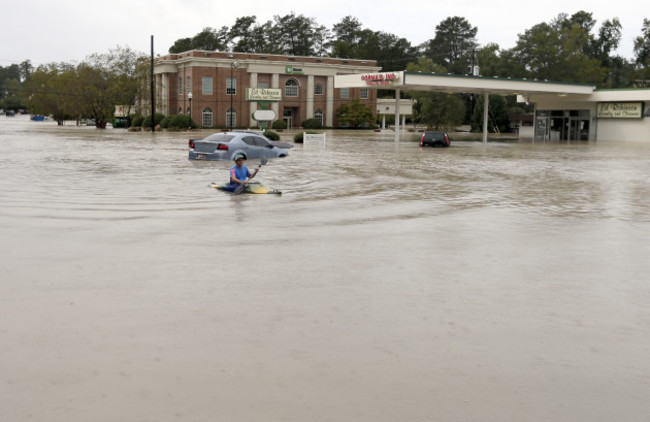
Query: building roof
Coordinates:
[449,83]
[171,62]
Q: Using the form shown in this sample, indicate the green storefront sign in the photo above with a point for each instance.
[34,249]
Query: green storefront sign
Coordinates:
[292,70]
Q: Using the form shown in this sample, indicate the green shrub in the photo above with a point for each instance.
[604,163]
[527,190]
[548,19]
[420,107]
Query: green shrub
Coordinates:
[136,120]
[181,121]
[312,124]
[147,120]
[279,124]
[272,135]
[164,123]
[298,138]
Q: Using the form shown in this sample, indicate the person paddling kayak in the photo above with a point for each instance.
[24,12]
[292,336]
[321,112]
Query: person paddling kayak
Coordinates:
[240,179]
[239,173]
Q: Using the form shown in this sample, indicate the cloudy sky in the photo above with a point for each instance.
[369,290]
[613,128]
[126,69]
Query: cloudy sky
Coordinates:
[45,31]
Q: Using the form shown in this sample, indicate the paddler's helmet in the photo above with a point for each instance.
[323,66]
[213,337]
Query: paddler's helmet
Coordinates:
[239,157]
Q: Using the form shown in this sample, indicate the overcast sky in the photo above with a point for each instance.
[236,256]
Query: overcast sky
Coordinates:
[45,31]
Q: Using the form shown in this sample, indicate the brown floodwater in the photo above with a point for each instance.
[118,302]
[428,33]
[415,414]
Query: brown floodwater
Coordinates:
[485,282]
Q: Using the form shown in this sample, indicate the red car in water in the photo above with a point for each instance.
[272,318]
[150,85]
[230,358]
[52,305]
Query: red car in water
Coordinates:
[435,139]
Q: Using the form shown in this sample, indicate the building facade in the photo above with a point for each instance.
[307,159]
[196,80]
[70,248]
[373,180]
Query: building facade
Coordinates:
[603,115]
[221,89]
[563,111]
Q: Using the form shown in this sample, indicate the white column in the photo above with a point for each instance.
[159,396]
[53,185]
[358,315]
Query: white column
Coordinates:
[165,93]
[329,113]
[486,104]
[397,111]
[310,96]
[383,121]
[253,105]
[275,106]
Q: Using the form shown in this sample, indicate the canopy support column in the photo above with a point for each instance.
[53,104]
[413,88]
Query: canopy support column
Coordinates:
[486,103]
[397,111]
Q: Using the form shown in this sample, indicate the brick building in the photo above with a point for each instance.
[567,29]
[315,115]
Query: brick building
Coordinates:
[215,87]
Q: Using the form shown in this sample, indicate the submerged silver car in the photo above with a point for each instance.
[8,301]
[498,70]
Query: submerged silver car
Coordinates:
[224,146]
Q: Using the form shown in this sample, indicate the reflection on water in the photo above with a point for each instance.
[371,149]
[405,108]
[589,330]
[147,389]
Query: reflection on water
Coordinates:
[388,282]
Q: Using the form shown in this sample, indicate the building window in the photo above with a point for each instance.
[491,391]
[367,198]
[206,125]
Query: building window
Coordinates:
[188,85]
[180,86]
[262,85]
[188,111]
[206,85]
[180,110]
[363,94]
[291,88]
[231,118]
[206,118]
[231,86]
[345,92]
[318,89]
[318,115]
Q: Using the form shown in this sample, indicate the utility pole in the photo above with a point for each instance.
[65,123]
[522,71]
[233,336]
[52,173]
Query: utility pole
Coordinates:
[153,104]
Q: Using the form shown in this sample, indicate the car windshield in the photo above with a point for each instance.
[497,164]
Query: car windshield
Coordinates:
[218,137]
[437,136]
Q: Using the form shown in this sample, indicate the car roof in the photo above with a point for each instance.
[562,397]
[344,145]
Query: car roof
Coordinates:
[230,135]
[219,137]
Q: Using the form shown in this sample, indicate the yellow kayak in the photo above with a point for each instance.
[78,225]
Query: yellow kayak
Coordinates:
[252,187]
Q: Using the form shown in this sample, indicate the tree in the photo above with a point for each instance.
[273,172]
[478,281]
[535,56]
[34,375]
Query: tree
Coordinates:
[121,73]
[436,110]
[180,45]
[496,62]
[453,44]
[609,37]
[11,97]
[439,110]
[621,73]
[549,53]
[537,50]
[211,40]
[566,50]
[8,89]
[51,91]
[90,89]
[208,39]
[355,114]
[497,114]
[322,35]
[93,89]
[346,35]
[294,35]
[391,52]
[244,36]
[642,45]
[26,69]
[642,52]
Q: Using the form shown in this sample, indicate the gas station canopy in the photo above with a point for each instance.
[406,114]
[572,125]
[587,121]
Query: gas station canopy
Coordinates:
[458,84]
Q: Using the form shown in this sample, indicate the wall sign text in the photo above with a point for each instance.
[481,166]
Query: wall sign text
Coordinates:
[620,110]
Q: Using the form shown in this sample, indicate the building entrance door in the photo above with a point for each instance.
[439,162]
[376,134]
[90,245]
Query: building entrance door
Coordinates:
[287,116]
[542,125]
[579,128]
[562,125]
